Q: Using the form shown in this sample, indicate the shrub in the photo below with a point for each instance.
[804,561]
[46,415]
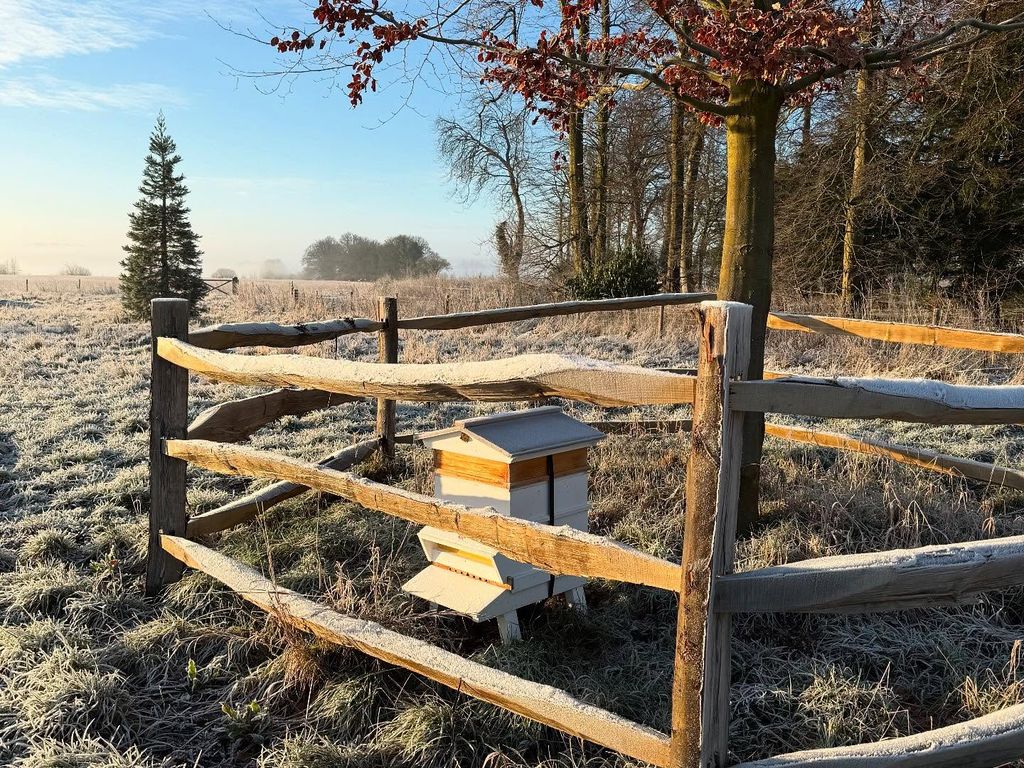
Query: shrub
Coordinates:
[626,274]
[76,270]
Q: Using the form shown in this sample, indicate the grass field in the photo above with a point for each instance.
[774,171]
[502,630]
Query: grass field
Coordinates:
[91,674]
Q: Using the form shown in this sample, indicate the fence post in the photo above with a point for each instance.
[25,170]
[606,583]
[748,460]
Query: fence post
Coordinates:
[234,286]
[700,688]
[387,352]
[168,418]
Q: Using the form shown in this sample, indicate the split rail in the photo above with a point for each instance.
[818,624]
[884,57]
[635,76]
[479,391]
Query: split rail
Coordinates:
[709,589]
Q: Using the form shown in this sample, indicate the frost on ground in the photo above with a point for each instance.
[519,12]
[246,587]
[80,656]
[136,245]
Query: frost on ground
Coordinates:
[93,675]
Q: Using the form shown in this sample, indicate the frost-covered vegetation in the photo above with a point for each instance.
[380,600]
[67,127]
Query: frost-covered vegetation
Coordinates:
[91,674]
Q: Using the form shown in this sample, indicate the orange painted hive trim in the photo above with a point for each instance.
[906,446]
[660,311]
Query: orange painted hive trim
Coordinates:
[503,475]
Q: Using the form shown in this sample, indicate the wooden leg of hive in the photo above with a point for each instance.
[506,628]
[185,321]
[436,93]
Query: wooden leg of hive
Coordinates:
[508,627]
[577,599]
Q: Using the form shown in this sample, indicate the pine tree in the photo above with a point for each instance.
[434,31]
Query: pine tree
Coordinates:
[163,254]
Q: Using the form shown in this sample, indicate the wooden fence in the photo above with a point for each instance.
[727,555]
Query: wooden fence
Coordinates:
[709,591]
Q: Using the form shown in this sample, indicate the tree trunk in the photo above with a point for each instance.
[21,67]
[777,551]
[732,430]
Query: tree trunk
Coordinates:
[747,248]
[853,237]
[695,147]
[579,227]
[601,123]
[676,194]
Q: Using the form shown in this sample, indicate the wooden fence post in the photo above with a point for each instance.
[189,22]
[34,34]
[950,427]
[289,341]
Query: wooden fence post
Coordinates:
[700,688]
[387,352]
[168,418]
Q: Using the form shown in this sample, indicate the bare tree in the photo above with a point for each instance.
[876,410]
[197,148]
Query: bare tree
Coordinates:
[488,151]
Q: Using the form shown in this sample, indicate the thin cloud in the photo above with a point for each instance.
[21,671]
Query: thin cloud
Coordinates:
[44,92]
[34,29]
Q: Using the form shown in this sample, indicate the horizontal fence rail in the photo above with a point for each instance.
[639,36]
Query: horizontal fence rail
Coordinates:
[983,742]
[560,550]
[877,581]
[247,507]
[537,701]
[922,458]
[903,454]
[236,420]
[229,335]
[899,333]
[919,401]
[514,378]
[482,317]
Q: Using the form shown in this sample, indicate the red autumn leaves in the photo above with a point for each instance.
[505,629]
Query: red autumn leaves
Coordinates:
[692,47]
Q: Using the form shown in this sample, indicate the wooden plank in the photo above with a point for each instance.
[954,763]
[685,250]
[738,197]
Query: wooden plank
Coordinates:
[229,335]
[700,688]
[539,702]
[918,457]
[882,581]
[236,420]
[625,426]
[985,742]
[247,507]
[512,314]
[899,333]
[560,550]
[514,378]
[168,417]
[922,401]
[387,352]
[504,475]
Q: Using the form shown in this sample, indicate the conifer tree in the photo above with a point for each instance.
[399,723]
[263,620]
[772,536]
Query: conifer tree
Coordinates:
[163,254]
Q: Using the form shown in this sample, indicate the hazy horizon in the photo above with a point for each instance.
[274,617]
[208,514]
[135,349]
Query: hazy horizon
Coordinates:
[269,173]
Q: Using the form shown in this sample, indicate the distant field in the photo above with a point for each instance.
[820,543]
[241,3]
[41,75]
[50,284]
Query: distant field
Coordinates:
[93,675]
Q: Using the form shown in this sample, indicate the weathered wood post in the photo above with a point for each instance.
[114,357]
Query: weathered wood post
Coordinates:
[168,418]
[700,689]
[387,352]
[234,286]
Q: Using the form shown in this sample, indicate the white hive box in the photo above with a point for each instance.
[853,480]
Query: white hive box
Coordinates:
[529,464]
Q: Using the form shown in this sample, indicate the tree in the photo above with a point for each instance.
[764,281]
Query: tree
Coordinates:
[225,273]
[487,151]
[76,270]
[353,257]
[738,62]
[163,258]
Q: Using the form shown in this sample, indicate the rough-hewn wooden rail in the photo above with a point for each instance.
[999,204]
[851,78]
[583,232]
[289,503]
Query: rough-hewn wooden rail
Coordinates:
[481,317]
[536,701]
[921,401]
[984,742]
[560,550]
[899,333]
[236,420]
[903,454]
[247,507]
[515,378]
[229,335]
[879,581]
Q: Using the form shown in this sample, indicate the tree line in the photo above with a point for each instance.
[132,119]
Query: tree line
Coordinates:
[354,257]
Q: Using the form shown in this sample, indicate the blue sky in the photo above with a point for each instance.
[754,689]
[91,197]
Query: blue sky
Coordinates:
[81,84]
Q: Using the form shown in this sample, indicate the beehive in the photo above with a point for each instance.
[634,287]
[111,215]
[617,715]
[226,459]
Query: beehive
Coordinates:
[529,464]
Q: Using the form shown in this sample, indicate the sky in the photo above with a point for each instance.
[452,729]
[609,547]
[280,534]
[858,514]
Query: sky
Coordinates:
[272,164]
